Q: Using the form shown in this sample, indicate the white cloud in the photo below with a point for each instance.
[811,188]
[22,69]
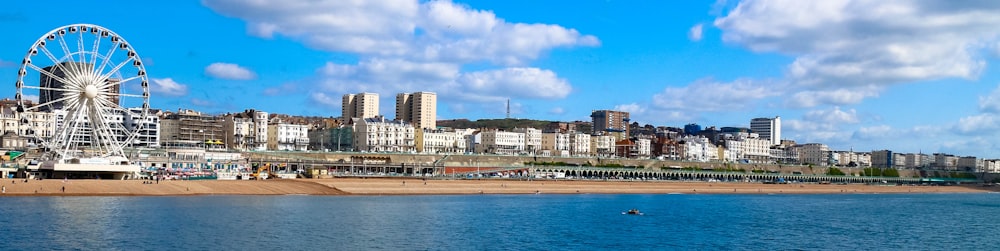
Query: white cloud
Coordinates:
[202,102]
[874,132]
[432,30]
[990,103]
[632,108]
[841,45]
[557,111]
[325,100]
[229,71]
[167,87]
[835,116]
[283,89]
[513,82]
[840,96]
[695,33]
[708,95]
[978,124]
[393,76]
[410,45]
[821,125]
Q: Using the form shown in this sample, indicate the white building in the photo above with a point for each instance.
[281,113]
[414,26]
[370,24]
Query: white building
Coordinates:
[579,144]
[501,142]
[602,145]
[287,137]
[246,131]
[439,141]
[990,166]
[644,147]
[532,139]
[767,128]
[698,148]
[380,135]
[39,124]
[555,144]
[149,129]
[748,148]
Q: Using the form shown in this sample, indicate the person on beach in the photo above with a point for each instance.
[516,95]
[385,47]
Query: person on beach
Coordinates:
[64,189]
[4,189]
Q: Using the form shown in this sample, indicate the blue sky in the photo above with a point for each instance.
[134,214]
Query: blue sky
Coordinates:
[907,76]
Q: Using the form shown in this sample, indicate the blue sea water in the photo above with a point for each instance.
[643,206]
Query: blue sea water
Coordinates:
[504,222]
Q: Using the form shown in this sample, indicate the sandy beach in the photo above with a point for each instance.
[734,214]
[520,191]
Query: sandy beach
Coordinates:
[385,186]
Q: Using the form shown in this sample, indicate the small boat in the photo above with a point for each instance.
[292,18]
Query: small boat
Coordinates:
[633,212]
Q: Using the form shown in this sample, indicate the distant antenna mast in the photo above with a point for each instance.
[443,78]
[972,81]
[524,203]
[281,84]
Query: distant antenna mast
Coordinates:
[508,108]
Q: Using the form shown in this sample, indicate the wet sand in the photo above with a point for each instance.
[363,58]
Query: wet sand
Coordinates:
[384,186]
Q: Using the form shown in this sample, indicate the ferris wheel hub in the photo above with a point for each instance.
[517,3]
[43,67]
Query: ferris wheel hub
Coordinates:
[90,91]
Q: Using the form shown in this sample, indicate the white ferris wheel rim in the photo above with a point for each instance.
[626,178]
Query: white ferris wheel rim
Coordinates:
[97,97]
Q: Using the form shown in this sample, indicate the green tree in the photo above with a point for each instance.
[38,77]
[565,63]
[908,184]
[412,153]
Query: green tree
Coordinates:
[834,171]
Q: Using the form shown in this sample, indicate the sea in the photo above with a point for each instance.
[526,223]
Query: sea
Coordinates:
[505,222]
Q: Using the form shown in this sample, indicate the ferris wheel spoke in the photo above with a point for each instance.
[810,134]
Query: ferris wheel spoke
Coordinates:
[109,84]
[107,104]
[107,58]
[67,54]
[117,67]
[49,103]
[96,50]
[48,73]
[109,134]
[99,133]
[46,88]
[80,49]
[45,50]
[70,131]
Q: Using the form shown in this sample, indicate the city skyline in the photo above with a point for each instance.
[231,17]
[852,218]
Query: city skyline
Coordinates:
[918,77]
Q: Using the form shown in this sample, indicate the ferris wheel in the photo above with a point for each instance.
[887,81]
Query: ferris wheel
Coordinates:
[93,86]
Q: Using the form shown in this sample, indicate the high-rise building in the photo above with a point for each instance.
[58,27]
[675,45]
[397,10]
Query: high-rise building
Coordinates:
[767,128]
[419,109]
[361,105]
[610,121]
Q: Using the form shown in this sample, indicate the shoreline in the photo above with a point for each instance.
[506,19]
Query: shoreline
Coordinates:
[416,186]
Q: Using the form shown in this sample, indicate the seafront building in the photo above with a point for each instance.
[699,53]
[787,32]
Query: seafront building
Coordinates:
[189,136]
[39,124]
[362,105]
[418,108]
[287,137]
[442,141]
[555,144]
[381,135]
[602,145]
[190,126]
[579,144]
[532,139]
[746,148]
[699,148]
[612,122]
[501,142]
[246,131]
[768,129]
